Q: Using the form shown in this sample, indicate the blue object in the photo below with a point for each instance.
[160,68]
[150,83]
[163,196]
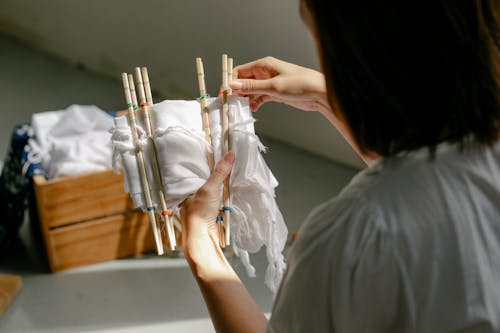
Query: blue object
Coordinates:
[20,165]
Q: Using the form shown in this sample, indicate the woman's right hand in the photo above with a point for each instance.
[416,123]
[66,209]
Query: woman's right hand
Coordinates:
[269,79]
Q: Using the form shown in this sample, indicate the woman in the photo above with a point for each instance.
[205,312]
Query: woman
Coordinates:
[412,244]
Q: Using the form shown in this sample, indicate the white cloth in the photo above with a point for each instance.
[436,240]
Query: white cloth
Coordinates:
[410,245]
[182,154]
[73,141]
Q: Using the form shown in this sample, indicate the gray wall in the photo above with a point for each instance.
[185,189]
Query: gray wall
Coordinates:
[112,36]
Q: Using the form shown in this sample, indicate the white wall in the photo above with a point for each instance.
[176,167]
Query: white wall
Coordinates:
[112,36]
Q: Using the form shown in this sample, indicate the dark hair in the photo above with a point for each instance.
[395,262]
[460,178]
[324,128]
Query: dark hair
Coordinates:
[411,74]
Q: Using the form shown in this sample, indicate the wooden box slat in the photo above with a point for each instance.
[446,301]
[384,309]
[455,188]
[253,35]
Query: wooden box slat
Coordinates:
[79,198]
[88,219]
[99,240]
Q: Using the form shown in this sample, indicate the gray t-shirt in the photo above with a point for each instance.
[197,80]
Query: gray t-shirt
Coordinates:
[412,244]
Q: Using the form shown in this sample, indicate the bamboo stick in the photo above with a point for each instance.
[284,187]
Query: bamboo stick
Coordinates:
[136,105]
[149,100]
[146,101]
[141,165]
[204,111]
[208,136]
[225,146]
[229,74]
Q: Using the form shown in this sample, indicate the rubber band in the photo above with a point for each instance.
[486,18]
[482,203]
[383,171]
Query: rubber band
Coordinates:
[219,218]
[130,105]
[204,96]
[226,208]
[150,208]
[143,104]
[167,212]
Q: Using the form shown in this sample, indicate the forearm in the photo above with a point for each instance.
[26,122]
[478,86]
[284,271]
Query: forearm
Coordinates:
[231,307]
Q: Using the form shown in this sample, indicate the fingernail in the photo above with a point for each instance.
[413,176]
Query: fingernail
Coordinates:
[236,84]
[229,158]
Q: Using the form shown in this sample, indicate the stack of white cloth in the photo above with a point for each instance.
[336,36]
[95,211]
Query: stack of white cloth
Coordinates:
[182,153]
[72,141]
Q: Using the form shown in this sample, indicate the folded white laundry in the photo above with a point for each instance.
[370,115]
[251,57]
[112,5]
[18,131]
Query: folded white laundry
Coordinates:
[70,141]
[182,153]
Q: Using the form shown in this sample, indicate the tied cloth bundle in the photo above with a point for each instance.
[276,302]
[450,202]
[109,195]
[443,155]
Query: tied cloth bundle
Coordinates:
[188,138]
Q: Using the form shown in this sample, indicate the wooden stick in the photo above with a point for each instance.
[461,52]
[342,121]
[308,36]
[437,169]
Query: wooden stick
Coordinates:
[206,128]
[204,111]
[225,147]
[141,166]
[146,101]
[225,83]
[134,101]
[169,217]
[133,95]
[221,230]
[229,73]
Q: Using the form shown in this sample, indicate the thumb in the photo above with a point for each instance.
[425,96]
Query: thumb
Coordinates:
[251,86]
[221,171]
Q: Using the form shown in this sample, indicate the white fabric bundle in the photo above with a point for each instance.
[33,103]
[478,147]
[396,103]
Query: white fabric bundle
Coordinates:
[182,154]
[70,142]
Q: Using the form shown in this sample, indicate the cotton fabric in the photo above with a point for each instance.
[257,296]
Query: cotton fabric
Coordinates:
[182,148]
[410,245]
[72,141]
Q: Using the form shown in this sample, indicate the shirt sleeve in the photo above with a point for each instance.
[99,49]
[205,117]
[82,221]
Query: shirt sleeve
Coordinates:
[342,274]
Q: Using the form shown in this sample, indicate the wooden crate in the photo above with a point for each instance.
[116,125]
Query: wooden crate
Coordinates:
[89,218]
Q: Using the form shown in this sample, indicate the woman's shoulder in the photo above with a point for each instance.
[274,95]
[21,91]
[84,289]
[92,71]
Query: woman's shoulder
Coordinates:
[342,243]
[346,215]
[410,187]
[367,250]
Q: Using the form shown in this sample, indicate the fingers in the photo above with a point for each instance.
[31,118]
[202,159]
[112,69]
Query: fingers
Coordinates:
[263,68]
[257,77]
[256,101]
[252,87]
[220,173]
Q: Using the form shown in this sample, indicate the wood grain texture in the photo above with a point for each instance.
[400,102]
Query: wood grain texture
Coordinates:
[88,219]
[99,240]
[10,285]
[68,200]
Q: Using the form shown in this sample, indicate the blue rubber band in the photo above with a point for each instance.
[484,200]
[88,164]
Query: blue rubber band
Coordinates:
[150,209]
[227,208]
[219,218]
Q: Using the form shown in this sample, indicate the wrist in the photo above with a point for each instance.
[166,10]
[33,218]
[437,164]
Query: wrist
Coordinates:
[323,105]
[206,259]
[318,87]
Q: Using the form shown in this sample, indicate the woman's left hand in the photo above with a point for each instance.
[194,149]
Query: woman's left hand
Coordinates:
[199,212]
[231,307]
